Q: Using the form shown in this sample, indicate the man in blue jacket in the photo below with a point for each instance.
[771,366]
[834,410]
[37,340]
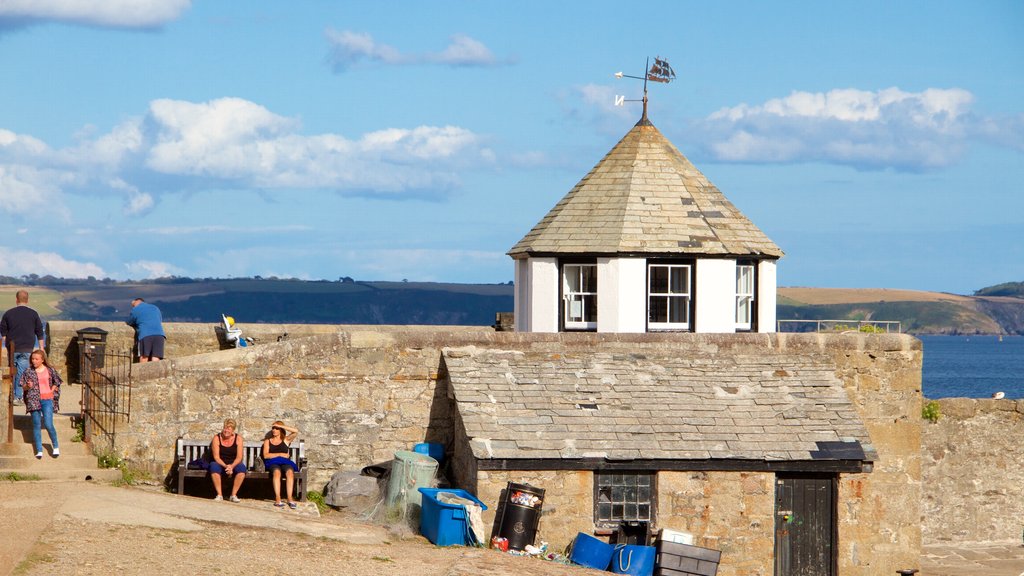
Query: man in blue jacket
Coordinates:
[149,330]
[23,326]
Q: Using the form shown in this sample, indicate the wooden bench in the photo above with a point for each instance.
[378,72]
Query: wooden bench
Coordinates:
[190,450]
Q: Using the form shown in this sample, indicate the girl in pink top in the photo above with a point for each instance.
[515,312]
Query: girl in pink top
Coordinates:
[41,385]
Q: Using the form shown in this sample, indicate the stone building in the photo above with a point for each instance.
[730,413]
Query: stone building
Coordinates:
[645,243]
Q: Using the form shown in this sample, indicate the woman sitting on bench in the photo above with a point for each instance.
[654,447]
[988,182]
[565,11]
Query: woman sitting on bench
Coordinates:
[275,458]
[227,459]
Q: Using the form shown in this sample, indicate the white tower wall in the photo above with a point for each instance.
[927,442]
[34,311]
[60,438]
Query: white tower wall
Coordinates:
[536,295]
[715,296]
[766,295]
[621,295]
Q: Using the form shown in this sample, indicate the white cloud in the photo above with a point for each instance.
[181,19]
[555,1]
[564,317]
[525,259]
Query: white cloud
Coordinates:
[17,262]
[348,48]
[464,51]
[885,129]
[230,143]
[142,269]
[101,13]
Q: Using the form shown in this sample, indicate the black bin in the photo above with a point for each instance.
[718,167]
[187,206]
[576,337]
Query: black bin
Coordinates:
[92,345]
[520,515]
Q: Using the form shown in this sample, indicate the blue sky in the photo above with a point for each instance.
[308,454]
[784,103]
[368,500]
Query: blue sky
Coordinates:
[880,144]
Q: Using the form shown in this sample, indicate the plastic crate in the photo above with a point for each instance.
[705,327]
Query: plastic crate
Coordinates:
[442,523]
[675,559]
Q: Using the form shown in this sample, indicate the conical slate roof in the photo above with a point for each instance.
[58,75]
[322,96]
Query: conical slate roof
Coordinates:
[645,197]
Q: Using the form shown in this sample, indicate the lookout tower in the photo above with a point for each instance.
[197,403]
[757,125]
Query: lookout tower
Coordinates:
[645,243]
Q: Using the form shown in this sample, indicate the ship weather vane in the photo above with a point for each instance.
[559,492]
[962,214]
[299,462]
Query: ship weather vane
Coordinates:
[660,71]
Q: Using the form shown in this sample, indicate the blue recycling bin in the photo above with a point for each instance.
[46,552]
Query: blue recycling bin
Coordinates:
[446,524]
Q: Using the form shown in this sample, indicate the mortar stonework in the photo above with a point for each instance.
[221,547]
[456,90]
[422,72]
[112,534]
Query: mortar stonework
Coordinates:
[358,394]
[973,473]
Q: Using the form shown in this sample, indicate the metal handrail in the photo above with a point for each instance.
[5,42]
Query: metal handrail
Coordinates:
[843,325]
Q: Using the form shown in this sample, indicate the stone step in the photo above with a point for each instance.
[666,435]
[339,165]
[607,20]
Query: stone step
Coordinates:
[76,461]
[29,461]
[43,473]
[63,424]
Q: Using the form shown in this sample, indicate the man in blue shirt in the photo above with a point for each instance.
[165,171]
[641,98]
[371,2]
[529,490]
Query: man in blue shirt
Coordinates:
[149,330]
[22,327]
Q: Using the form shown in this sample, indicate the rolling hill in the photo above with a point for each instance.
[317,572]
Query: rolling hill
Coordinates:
[993,310]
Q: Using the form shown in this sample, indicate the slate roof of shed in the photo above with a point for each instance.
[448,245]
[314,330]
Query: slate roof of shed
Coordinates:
[516,405]
[645,197]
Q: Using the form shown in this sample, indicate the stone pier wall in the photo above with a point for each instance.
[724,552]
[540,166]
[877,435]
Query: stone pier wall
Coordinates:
[974,472]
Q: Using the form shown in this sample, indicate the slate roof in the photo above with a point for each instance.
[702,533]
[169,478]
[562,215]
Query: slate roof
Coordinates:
[645,197]
[788,407]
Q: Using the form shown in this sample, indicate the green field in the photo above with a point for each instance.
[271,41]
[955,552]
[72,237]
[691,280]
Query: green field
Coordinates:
[43,300]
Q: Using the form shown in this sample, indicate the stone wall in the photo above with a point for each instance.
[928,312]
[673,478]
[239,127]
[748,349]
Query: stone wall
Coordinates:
[973,472]
[693,502]
[879,526]
[358,394]
[183,338]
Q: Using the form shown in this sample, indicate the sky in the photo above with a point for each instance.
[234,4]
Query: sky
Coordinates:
[879,144]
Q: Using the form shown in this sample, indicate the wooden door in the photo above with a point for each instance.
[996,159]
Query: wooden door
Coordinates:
[805,525]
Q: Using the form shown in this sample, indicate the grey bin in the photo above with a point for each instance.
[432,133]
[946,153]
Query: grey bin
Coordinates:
[92,346]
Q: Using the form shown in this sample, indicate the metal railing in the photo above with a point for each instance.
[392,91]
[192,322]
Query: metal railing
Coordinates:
[869,326]
[106,394]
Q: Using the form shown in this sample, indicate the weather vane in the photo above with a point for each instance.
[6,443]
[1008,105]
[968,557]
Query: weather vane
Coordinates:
[660,71]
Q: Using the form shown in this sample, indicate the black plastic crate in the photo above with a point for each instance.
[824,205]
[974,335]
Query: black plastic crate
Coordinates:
[675,559]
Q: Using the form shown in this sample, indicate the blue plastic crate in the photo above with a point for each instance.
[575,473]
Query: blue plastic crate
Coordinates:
[445,524]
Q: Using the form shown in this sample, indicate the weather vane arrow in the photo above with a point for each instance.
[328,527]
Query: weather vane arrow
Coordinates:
[660,72]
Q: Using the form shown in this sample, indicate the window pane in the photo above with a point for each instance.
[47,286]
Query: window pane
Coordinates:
[630,512]
[745,279]
[659,279]
[617,494]
[589,280]
[630,494]
[572,278]
[576,309]
[604,511]
[604,494]
[679,308]
[658,309]
[680,280]
[590,308]
[644,512]
[742,309]
[618,511]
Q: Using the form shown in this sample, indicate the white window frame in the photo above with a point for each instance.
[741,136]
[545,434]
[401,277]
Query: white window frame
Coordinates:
[671,297]
[745,296]
[575,306]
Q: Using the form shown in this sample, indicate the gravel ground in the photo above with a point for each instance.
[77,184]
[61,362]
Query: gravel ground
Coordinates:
[72,545]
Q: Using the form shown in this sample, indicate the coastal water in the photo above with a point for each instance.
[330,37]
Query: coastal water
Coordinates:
[973,366]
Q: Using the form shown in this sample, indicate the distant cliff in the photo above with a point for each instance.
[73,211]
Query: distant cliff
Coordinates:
[918,312]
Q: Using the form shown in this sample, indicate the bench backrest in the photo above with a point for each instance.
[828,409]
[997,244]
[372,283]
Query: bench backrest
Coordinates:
[189,450]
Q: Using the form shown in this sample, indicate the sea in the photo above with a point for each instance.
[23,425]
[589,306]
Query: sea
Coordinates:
[973,366]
